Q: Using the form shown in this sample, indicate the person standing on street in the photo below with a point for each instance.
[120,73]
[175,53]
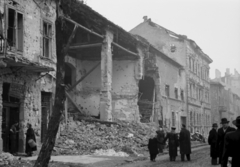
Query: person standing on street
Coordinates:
[232,146]
[160,138]
[172,143]
[30,135]
[221,134]
[212,141]
[153,148]
[185,143]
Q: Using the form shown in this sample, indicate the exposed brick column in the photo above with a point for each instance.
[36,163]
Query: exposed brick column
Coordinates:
[106,78]
[1,107]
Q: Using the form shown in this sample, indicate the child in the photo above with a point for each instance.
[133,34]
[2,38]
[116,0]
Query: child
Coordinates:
[153,148]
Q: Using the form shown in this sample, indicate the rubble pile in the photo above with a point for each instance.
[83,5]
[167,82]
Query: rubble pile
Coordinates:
[82,137]
[6,159]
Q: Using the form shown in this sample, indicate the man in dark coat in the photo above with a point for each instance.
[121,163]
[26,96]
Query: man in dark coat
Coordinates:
[221,134]
[30,135]
[185,143]
[212,141]
[172,144]
[232,146]
[160,138]
[153,148]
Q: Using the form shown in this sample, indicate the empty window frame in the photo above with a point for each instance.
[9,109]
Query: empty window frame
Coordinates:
[47,39]
[167,90]
[15,29]
[182,95]
[176,93]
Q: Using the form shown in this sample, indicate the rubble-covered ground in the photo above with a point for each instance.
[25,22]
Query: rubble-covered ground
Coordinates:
[84,137]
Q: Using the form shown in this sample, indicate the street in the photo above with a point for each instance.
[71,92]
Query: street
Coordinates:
[199,158]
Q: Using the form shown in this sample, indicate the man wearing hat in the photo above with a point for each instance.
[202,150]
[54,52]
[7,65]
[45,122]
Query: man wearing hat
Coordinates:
[172,138]
[212,141]
[185,143]
[221,134]
[232,146]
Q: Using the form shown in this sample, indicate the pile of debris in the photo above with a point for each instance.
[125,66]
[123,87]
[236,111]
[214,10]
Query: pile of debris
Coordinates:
[6,159]
[84,137]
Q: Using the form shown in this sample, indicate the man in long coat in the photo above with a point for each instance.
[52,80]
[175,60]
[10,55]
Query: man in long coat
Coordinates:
[185,143]
[172,144]
[221,134]
[232,146]
[212,141]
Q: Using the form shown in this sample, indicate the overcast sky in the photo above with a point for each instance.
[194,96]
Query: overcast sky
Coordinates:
[213,24]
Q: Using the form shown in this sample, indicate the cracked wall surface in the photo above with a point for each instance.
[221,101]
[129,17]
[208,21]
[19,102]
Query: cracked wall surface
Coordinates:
[33,82]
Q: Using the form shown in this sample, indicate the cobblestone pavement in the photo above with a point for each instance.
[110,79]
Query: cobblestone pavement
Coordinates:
[199,158]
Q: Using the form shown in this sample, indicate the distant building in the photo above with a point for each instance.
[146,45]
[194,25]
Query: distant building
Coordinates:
[196,66]
[225,96]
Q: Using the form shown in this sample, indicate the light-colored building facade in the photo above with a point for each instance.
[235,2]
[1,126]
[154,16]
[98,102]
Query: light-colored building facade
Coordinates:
[28,62]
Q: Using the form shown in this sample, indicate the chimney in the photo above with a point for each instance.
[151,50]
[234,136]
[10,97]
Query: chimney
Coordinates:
[145,18]
[228,71]
[217,74]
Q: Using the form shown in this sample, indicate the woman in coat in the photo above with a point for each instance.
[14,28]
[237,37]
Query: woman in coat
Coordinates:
[172,138]
[212,141]
[30,135]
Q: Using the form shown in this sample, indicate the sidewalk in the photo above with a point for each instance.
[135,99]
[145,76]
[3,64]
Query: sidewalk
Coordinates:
[91,159]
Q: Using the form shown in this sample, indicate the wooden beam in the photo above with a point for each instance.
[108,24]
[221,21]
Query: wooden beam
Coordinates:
[70,39]
[85,46]
[73,102]
[126,50]
[79,25]
[101,36]
[82,78]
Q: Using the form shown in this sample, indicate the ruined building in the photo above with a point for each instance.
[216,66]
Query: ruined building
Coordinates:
[196,113]
[225,96]
[27,65]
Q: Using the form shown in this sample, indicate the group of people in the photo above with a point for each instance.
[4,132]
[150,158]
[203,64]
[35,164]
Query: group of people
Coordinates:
[224,143]
[156,144]
[30,137]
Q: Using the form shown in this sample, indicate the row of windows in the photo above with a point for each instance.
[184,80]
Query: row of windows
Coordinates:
[195,67]
[198,93]
[15,33]
[167,92]
[199,119]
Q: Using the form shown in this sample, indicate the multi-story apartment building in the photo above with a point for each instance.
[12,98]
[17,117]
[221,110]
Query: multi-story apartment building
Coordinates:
[28,62]
[225,96]
[196,66]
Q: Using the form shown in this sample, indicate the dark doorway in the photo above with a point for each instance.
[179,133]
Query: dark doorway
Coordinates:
[46,112]
[10,116]
[146,98]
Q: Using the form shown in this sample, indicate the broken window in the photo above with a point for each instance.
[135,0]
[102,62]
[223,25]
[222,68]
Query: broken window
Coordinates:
[176,93]
[47,39]
[15,30]
[167,93]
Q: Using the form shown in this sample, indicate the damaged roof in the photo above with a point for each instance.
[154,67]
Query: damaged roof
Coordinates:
[159,53]
[81,13]
[181,37]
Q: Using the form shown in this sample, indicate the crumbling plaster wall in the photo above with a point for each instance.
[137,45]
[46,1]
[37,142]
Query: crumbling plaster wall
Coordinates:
[124,89]
[30,106]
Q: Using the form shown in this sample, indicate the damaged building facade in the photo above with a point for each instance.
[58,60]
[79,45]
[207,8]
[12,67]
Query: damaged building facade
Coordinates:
[112,74]
[27,64]
[187,53]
